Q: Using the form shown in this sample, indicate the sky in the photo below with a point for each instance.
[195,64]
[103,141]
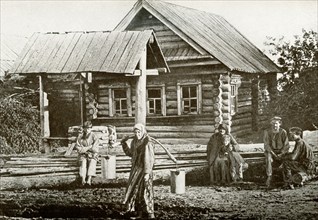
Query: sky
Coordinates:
[255,19]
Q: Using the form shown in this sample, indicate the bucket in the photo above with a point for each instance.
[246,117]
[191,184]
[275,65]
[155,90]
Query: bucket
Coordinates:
[109,167]
[177,181]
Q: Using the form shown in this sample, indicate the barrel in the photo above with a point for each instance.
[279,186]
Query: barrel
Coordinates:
[109,167]
[177,180]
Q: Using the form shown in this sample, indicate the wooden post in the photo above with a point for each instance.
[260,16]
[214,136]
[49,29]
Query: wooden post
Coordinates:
[44,116]
[141,102]
[81,99]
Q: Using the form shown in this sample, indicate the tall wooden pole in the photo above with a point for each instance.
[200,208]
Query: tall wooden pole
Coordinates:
[44,116]
[141,102]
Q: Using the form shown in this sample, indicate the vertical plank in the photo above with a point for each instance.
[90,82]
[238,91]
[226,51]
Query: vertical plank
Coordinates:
[199,98]
[110,102]
[129,108]
[179,98]
[44,116]
[164,98]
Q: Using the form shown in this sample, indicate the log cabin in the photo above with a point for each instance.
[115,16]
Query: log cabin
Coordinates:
[216,74]
[178,70]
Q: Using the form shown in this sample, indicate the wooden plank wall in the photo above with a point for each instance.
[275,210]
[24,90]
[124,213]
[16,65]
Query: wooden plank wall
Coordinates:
[171,44]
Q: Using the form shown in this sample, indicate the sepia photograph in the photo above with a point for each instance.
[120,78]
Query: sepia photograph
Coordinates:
[159,109]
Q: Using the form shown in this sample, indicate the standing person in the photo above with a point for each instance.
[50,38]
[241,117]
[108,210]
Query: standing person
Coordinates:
[275,144]
[237,163]
[218,165]
[139,192]
[87,144]
[300,160]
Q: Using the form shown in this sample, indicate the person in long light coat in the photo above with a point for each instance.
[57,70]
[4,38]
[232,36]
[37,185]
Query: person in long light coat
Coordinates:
[139,192]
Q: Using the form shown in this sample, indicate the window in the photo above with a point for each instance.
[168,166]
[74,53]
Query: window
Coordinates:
[154,104]
[234,88]
[189,99]
[120,101]
[156,100]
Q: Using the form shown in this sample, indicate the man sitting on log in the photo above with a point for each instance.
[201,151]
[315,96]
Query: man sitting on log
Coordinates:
[301,160]
[276,144]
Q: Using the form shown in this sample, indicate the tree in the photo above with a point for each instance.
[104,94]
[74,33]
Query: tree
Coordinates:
[297,100]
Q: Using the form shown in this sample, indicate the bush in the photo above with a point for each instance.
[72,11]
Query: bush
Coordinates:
[19,126]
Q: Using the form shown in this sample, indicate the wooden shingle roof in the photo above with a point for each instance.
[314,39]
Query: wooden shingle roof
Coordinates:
[77,52]
[207,31]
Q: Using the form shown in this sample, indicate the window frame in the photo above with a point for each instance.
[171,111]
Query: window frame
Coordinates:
[112,105]
[180,100]
[162,99]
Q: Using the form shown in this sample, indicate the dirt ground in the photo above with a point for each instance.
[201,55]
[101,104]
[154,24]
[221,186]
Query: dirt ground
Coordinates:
[249,200]
[243,201]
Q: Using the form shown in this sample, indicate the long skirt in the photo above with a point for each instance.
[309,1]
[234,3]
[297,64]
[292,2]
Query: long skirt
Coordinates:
[139,193]
[220,171]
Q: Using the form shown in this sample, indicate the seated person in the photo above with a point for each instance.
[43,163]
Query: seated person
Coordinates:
[218,164]
[300,160]
[276,145]
[87,145]
[237,163]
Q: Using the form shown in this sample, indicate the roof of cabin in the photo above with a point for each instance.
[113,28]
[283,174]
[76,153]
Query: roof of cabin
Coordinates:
[77,52]
[209,32]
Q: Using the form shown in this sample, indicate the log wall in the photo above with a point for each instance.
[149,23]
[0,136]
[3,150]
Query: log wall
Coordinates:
[242,120]
[192,128]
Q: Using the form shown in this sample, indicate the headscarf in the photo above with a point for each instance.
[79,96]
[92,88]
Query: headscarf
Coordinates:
[141,128]
[143,132]
[223,126]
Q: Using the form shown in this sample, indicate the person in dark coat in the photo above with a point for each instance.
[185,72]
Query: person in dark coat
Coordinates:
[276,145]
[219,169]
[300,160]
[139,192]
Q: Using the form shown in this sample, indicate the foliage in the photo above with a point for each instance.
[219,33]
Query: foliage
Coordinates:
[19,119]
[297,100]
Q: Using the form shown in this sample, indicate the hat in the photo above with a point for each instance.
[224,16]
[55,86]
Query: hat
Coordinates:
[87,124]
[276,118]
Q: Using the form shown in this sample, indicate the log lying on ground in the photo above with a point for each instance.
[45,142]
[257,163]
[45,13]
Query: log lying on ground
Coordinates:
[58,169]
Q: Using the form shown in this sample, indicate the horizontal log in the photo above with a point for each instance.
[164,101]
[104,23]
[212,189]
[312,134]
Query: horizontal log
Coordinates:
[241,121]
[241,127]
[244,103]
[207,109]
[244,109]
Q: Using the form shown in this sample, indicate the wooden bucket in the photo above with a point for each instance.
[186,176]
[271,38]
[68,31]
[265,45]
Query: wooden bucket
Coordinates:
[177,181]
[109,167]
